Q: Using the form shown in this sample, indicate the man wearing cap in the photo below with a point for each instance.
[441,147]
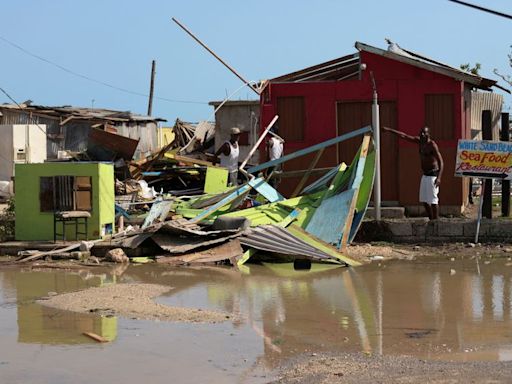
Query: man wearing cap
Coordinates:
[228,154]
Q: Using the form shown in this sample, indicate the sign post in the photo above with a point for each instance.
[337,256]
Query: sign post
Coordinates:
[486,160]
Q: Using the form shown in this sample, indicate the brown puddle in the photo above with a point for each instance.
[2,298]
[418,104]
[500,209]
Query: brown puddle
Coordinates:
[398,308]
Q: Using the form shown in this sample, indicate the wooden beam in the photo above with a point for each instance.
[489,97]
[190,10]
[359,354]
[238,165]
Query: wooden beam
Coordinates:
[357,181]
[302,181]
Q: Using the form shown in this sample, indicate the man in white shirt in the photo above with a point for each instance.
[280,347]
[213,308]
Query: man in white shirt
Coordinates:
[228,154]
[275,148]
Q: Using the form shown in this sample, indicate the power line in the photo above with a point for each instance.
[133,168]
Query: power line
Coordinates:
[482,9]
[20,107]
[71,72]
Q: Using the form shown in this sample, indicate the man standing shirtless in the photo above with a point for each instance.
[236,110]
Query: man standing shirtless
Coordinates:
[432,166]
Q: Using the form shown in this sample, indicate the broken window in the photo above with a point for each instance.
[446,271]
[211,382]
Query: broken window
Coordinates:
[65,193]
[439,116]
[291,118]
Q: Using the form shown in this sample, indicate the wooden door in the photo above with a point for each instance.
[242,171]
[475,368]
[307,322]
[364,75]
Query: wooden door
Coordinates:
[354,115]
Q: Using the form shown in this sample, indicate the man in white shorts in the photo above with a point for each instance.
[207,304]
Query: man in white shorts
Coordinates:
[432,166]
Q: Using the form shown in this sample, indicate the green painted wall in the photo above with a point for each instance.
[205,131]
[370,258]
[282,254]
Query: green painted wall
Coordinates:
[32,224]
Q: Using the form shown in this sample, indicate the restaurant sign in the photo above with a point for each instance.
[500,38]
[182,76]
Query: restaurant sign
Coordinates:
[485,159]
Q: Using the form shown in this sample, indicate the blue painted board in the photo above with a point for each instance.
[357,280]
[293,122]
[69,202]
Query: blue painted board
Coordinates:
[313,148]
[330,217]
[266,190]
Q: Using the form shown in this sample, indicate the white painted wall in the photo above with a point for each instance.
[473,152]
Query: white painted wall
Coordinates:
[21,143]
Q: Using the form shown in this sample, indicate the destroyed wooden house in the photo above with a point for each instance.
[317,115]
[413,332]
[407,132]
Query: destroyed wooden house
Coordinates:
[332,98]
[68,128]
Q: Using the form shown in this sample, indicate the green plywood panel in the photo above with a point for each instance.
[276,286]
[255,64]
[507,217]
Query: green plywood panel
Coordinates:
[216,180]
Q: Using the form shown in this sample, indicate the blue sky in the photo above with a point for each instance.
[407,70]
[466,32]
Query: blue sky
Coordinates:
[115,41]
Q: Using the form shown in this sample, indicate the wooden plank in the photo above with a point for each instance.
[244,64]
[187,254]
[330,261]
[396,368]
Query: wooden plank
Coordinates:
[228,199]
[188,160]
[311,149]
[302,181]
[96,337]
[301,172]
[357,181]
[246,256]
[266,190]
[230,250]
[328,221]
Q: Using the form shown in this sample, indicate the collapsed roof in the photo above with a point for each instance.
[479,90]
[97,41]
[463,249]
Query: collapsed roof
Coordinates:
[79,113]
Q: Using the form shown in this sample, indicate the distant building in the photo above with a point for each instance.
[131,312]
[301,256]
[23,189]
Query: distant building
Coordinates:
[68,128]
[329,99]
[244,114]
[21,144]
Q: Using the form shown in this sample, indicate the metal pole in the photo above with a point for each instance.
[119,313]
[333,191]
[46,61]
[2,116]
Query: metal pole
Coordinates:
[505,184]
[487,191]
[480,211]
[151,88]
[216,56]
[376,140]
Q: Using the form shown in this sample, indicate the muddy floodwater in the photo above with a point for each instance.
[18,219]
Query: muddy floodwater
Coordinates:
[434,310]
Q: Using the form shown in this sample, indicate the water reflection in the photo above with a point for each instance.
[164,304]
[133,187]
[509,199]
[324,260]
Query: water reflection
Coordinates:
[396,308]
[43,325]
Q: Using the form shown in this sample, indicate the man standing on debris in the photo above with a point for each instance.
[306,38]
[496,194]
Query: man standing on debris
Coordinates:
[432,166]
[274,152]
[228,154]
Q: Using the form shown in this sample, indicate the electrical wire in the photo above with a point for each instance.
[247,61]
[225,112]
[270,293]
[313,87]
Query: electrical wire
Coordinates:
[20,107]
[88,78]
[483,9]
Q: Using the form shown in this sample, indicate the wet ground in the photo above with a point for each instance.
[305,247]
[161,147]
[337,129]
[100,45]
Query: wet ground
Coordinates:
[436,311]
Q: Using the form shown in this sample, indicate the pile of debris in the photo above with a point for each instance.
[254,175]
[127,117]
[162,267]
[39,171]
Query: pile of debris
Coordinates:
[251,221]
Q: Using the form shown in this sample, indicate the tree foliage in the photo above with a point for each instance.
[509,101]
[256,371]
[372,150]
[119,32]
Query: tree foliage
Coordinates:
[475,70]
[506,78]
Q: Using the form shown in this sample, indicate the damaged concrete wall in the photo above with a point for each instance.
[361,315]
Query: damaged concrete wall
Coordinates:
[244,114]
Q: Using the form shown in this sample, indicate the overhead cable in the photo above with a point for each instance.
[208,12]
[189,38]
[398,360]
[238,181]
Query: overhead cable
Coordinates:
[88,78]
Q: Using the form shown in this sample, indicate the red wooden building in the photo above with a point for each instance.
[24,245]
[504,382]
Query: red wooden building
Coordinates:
[332,98]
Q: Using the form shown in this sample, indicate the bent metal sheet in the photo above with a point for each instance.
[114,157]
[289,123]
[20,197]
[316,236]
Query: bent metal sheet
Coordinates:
[486,159]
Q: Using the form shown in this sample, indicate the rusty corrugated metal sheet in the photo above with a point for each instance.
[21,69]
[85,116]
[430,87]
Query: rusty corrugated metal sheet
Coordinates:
[107,146]
[480,101]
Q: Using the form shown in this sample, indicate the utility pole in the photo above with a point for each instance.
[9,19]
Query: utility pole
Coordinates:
[487,183]
[151,88]
[376,141]
[505,184]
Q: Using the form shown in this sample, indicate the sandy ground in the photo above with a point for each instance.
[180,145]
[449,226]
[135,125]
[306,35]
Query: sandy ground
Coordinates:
[360,368]
[130,300]
[386,251]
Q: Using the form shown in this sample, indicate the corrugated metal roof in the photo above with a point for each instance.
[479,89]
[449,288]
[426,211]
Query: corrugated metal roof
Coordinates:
[343,68]
[395,52]
[347,67]
[272,238]
[80,113]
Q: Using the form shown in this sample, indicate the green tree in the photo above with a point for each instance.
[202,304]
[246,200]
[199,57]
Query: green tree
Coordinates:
[474,70]
[506,78]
